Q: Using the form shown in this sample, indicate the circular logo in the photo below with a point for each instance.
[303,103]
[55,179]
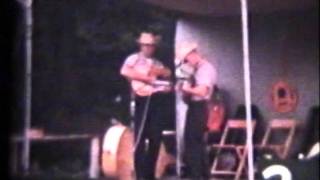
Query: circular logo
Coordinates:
[284,97]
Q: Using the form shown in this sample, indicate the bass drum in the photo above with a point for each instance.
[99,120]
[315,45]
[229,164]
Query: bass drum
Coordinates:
[117,154]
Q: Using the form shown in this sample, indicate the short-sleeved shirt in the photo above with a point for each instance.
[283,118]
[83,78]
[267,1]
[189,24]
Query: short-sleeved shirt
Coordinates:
[141,63]
[205,75]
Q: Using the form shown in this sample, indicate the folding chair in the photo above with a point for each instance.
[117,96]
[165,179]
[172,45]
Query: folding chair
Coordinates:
[282,148]
[239,149]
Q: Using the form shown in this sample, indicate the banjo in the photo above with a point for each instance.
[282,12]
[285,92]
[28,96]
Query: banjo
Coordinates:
[184,74]
[183,71]
[161,84]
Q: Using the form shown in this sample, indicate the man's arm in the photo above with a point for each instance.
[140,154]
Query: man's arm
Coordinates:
[205,79]
[132,74]
[127,70]
[161,71]
[166,72]
[199,90]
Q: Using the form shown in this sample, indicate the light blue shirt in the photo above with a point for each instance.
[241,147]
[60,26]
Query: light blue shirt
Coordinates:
[205,75]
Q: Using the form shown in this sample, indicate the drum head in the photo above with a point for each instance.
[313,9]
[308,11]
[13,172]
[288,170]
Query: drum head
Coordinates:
[125,168]
[117,155]
[120,164]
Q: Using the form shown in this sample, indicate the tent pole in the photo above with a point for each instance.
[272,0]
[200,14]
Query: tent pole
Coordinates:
[28,84]
[247,88]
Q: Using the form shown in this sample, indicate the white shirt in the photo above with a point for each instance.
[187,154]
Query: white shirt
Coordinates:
[143,65]
[205,75]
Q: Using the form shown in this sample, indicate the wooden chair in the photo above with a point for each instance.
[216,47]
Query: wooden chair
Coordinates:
[239,149]
[282,148]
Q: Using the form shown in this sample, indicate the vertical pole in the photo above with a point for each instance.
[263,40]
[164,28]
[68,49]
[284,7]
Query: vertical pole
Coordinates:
[247,88]
[94,158]
[132,108]
[181,109]
[28,83]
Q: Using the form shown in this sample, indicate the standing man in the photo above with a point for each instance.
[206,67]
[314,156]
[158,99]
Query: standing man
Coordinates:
[199,92]
[144,71]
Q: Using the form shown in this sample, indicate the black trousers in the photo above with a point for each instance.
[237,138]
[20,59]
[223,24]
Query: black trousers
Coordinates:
[195,153]
[146,154]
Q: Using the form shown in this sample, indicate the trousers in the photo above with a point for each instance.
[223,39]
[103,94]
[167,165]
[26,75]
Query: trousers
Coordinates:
[147,149]
[195,154]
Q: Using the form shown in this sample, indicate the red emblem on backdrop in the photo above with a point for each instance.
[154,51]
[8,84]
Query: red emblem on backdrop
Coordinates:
[284,97]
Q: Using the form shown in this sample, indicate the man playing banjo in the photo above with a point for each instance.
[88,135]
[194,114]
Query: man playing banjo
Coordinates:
[199,92]
[144,71]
